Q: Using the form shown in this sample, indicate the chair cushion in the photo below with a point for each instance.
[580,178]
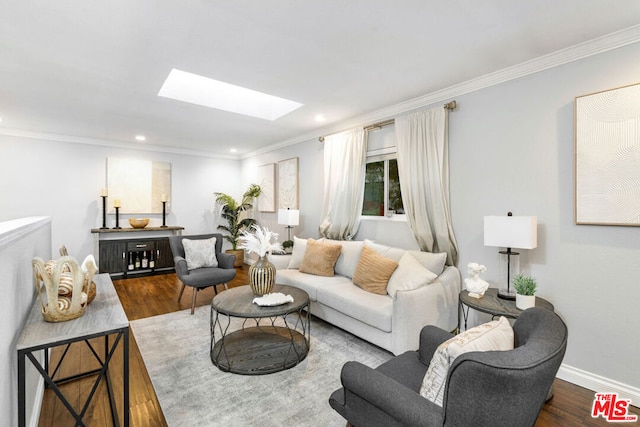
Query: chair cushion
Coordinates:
[409,275]
[309,282]
[200,253]
[208,276]
[373,271]
[493,336]
[320,258]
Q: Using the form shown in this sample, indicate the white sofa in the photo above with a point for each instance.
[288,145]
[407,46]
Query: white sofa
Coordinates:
[390,322]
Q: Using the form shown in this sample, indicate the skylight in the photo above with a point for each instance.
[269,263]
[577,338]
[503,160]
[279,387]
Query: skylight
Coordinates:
[195,89]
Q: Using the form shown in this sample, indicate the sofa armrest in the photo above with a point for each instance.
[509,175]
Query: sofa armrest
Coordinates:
[432,304]
[225,260]
[387,395]
[180,265]
[430,338]
[280,261]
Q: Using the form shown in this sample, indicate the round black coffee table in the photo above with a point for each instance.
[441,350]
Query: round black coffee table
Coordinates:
[271,339]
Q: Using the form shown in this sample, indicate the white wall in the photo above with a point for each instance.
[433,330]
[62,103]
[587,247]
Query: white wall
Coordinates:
[63,180]
[511,149]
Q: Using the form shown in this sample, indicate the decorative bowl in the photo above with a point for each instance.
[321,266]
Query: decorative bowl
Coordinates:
[139,222]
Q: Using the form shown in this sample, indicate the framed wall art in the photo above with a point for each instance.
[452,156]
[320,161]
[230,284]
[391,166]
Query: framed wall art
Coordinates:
[138,184]
[288,183]
[266,180]
[607,157]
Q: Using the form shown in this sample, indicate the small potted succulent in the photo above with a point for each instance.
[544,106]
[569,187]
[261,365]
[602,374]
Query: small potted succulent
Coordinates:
[525,287]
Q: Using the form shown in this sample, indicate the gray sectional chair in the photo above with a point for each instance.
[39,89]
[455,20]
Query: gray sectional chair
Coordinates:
[494,388]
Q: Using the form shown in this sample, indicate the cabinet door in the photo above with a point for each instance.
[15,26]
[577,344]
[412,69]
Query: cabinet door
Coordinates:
[111,257]
[164,255]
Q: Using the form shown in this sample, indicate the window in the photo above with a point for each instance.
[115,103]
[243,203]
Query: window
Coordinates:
[382,187]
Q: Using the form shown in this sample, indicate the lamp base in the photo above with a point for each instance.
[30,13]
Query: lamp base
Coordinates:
[511,297]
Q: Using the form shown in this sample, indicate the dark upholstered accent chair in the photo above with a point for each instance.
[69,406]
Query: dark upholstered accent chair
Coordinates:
[201,278]
[494,388]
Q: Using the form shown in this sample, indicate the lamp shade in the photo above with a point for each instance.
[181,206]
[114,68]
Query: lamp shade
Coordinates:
[511,231]
[288,217]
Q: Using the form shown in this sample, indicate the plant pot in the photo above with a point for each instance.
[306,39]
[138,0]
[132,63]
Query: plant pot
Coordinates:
[525,301]
[262,276]
[239,253]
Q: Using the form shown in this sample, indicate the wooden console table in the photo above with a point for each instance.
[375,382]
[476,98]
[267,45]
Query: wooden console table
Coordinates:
[113,255]
[103,317]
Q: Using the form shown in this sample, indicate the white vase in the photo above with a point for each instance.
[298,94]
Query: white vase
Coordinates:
[525,301]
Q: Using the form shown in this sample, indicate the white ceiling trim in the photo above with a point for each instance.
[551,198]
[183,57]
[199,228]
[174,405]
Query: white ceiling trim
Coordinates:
[583,50]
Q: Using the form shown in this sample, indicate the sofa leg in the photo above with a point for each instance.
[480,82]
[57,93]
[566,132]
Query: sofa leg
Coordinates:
[181,292]
[193,301]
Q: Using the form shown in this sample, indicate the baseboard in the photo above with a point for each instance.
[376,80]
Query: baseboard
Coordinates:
[598,383]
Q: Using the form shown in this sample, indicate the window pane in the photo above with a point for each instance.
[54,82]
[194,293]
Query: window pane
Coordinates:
[395,196]
[374,189]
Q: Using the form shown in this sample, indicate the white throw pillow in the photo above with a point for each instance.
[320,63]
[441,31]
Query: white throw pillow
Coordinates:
[299,247]
[386,251]
[431,261]
[348,259]
[410,274]
[493,336]
[200,253]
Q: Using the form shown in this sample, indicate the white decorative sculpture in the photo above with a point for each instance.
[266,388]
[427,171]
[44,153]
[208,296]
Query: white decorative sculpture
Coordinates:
[475,285]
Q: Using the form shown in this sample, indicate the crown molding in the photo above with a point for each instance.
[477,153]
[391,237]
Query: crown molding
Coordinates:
[574,53]
[112,144]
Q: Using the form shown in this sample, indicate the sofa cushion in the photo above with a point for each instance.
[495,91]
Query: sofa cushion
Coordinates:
[384,250]
[348,259]
[410,274]
[431,261]
[200,253]
[309,282]
[320,258]
[373,271]
[369,308]
[299,248]
[493,336]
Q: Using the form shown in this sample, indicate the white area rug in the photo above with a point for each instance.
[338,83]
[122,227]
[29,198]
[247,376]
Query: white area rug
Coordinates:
[194,392]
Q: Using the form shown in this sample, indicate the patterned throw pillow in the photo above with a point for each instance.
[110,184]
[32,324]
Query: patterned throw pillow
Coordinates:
[320,258]
[373,271]
[200,253]
[493,336]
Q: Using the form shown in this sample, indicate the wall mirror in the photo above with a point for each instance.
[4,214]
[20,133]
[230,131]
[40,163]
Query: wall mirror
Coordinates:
[607,157]
[138,184]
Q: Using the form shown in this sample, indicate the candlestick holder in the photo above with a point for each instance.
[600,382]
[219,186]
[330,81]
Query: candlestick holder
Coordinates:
[164,215]
[104,213]
[117,227]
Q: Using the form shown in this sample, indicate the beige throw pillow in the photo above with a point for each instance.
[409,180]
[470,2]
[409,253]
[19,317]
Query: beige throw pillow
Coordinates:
[320,258]
[409,275]
[373,271]
[492,336]
[200,253]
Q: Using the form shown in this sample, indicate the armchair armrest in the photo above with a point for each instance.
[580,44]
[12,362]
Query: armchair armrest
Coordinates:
[430,338]
[225,260]
[388,395]
[180,266]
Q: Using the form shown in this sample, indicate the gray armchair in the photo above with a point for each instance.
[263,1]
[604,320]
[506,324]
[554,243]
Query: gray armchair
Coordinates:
[494,388]
[201,278]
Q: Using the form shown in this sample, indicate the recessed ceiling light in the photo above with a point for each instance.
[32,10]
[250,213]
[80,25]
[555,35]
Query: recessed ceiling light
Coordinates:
[320,118]
[233,150]
[141,138]
[188,87]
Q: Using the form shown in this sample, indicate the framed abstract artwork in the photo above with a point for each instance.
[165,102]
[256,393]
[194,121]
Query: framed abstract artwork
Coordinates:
[607,157]
[266,180]
[288,183]
[138,184]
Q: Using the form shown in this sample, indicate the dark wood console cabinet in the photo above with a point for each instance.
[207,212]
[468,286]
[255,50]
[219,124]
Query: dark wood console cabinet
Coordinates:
[135,256]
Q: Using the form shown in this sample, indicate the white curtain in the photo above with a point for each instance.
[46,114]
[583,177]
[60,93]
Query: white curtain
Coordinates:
[423,169]
[344,168]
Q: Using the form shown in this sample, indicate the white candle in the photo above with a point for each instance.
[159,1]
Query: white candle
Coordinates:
[116,203]
[164,197]
[104,192]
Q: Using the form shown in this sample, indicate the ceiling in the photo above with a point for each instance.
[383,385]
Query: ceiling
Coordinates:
[91,70]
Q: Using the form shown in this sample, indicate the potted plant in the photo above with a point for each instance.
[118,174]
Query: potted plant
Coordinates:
[525,287]
[233,211]
[287,246]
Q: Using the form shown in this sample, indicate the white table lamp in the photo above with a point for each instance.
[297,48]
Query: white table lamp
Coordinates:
[510,232]
[289,217]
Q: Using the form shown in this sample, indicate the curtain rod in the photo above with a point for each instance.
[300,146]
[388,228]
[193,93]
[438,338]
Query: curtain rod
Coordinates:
[448,106]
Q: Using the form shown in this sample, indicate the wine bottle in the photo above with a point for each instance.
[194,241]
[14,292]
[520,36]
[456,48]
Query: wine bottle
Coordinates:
[145,260]
[152,262]
[130,266]
[137,260]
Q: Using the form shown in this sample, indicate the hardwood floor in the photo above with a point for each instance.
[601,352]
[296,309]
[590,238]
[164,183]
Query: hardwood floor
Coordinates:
[152,295]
